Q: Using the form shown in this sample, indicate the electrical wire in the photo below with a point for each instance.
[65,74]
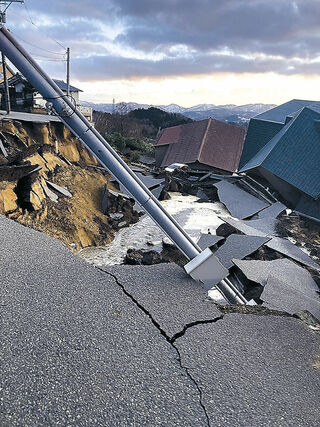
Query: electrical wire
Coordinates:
[37,47]
[36,26]
[47,57]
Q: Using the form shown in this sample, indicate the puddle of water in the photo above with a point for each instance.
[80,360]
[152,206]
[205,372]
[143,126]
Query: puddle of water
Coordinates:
[192,216]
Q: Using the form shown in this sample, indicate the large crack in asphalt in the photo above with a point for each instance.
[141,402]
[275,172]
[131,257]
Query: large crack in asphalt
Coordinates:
[170,340]
[225,311]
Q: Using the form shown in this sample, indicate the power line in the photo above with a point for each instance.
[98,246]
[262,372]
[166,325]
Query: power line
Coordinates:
[37,47]
[41,31]
[46,58]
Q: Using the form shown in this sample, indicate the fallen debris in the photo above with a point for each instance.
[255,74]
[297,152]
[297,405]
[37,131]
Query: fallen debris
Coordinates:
[208,240]
[287,248]
[243,227]
[50,194]
[239,203]
[279,295]
[282,269]
[238,246]
[157,191]
[149,181]
[62,190]
[267,225]
[272,211]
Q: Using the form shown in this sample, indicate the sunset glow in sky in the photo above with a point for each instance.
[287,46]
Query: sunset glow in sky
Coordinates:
[177,51]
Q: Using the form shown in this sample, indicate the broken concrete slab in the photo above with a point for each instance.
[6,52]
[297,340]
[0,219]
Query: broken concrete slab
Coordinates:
[149,181]
[278,295]
[165,291]
[75,347]
[272,211]
[50,194]
[283,269]
[202,196]
[266,225]
[259,227]
[243,227]
[208,240]
[120,194]
[147,160]
[62,190]
[255,370]
[287,248]
[238,246]
[157,191]
[239,203]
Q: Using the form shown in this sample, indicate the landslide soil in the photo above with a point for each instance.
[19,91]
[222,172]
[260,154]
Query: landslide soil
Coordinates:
[78,220]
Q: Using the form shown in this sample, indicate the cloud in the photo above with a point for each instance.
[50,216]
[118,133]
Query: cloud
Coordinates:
[112,39]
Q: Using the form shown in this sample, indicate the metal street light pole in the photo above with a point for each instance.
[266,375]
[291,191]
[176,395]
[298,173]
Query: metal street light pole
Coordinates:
[68,72]
[202,265]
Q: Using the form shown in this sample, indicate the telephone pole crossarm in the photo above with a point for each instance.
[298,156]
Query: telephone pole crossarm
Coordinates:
[3,12]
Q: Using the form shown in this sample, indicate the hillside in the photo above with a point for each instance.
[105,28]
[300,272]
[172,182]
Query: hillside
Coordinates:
[139,123]
[239,114]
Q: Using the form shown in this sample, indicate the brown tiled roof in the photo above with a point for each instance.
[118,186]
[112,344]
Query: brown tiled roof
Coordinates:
[211,142]
[188,147]
[169,135]
[223,146]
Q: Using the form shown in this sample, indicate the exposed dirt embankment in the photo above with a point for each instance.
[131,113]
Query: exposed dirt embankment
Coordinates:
[40,154]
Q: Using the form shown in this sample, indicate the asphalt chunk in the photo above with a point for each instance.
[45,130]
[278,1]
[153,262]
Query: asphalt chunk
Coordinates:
[238,246]
[239,203]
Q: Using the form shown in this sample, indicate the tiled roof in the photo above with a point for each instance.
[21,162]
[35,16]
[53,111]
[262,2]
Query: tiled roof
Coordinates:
[309,206]
[188,148]
[169,135]
[223,146]
[17,78]
[211,142]
[294,153]
[279,114]
[63,86]
[259,134]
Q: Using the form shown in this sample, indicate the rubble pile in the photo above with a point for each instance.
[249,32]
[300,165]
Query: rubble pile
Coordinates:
[48,181]
[272,253]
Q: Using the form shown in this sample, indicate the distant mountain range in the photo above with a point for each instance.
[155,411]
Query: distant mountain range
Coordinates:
[240,114]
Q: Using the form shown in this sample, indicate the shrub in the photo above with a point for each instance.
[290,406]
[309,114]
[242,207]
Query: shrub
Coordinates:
[135,156]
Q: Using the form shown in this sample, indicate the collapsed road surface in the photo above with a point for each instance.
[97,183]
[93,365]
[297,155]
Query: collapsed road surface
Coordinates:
[138,345]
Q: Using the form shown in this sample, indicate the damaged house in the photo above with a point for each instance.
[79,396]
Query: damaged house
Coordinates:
[205,144]
[283,147]
[25,98]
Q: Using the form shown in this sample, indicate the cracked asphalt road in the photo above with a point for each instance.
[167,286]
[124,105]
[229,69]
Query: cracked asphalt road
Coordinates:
[139,346]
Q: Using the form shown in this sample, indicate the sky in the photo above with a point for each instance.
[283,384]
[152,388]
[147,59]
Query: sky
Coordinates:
[186,52]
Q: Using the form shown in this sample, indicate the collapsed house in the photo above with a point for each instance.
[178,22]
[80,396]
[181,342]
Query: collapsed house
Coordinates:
[205,144]
[282,146]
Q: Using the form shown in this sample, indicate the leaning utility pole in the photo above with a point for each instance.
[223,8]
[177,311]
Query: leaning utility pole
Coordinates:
[68,72]
[3,20]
